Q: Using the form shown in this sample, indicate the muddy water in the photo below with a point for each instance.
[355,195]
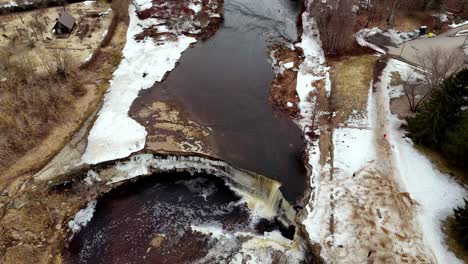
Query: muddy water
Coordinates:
[224,84]
[150,222]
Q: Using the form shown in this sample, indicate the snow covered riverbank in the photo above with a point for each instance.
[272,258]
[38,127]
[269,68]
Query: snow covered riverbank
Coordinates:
[146,60]
[377,197]
[312,72]
[115,135]
[374,197]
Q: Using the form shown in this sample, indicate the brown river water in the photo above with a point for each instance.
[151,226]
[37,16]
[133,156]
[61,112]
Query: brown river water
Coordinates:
[224,84]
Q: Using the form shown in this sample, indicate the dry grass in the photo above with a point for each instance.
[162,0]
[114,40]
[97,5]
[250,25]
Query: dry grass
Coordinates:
[32,103]
[95,82]
[351,77]
[89,31]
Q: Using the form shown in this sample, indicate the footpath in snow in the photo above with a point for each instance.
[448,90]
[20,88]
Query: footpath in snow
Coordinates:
[376,198]
[436,193]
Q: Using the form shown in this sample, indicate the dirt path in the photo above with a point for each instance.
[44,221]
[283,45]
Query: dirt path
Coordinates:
[369,218]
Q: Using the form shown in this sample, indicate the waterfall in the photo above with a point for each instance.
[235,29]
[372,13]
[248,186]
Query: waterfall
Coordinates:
[259,192]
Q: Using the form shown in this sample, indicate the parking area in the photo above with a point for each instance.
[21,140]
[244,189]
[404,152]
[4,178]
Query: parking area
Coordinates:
[412,51]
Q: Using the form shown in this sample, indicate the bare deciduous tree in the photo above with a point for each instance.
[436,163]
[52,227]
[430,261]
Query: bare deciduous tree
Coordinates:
[415,91]
[336,20]
[438,64]
[38,27]
[379,10]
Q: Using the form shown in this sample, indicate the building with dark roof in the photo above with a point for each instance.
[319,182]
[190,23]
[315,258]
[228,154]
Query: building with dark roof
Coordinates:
[65,24]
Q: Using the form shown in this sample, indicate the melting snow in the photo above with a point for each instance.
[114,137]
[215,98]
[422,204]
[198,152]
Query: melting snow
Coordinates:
[361,38]
[82,218]
[437,193]
[114,134]
[312,69]
[254,249]
[196,7]
[453,25]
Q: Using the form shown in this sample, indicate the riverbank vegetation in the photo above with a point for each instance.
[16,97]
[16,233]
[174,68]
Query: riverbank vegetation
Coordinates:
[441,124]
[32,103]
[442,121]
[46,96]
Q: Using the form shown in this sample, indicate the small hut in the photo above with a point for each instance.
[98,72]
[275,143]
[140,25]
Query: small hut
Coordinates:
[65,24]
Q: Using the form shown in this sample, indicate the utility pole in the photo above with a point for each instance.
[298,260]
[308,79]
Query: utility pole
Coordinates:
[401,52]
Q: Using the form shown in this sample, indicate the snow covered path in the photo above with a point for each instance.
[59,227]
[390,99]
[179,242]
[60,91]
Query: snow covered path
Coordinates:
[362,212]
[377,199]
[436,193]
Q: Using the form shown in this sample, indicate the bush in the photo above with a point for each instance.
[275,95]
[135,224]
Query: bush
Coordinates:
[460,225]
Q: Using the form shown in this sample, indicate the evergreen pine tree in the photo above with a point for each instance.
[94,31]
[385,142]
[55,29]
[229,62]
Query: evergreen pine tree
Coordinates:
[455,145]
[441,112]
[460,225]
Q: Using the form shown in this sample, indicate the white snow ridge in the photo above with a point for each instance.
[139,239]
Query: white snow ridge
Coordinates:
[114,134]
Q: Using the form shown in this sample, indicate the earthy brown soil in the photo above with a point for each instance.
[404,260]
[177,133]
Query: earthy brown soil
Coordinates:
[83,41]
[283,87]
[34,221]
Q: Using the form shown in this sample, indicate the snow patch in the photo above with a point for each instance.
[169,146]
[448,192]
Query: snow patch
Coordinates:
[82,218]
[453,25]
[196,7]
[366,32]
[353,148]
[143,4]
[443,17]
[88,58]
[89,2]
[313,69]
[288,65]
[255,249]
[91,178]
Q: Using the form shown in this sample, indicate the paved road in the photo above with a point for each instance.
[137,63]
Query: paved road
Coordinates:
[414,49]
